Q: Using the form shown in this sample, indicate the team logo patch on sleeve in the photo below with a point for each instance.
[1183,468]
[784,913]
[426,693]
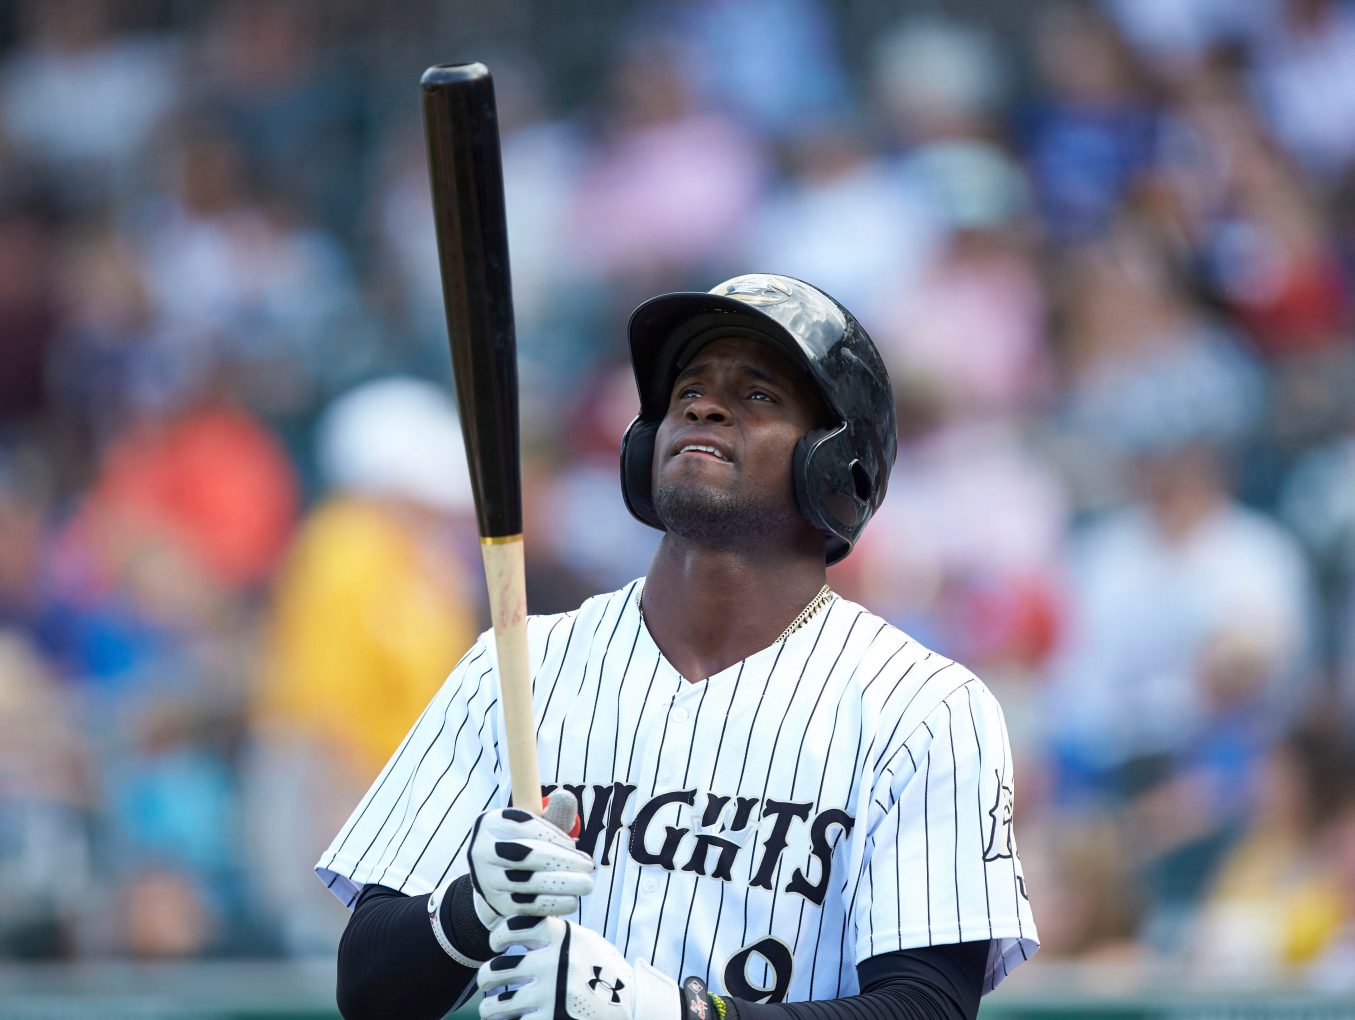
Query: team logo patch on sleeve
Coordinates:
[1000,842]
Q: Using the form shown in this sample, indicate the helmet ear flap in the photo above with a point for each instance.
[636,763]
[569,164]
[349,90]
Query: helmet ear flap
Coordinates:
[804,500]
[637,470]
[831,490]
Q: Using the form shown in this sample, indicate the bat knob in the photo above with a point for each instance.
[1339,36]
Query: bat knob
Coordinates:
[454,74]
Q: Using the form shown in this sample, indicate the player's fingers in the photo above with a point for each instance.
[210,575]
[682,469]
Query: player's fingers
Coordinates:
[516,824]
[558,883]
[534,855]
[529,932]
[517,1004]
[507,999]
[509,1006]
[548,906]
[500,973]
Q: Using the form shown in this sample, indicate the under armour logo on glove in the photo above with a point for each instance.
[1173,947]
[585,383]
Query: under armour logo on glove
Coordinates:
[568,972]
[598,981]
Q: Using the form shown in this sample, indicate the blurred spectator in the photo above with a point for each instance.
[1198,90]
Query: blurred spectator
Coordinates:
[934,79]
[1090,131]
[1178,575]
[243,286]
[670,183]
[47,801]
[1331,969]
[112,361]
[1082,868]
[1190,641]
[1274,904]
[1144,368]
[939,554]
[93,138]
[30,254]
[163,917]
[1177,35]
[372,609]
[1272,259]
[185,518]
[773,64]
[374,606]
[844,217]
[1305,82]
[971,323]
[175,814]
[270,71]
[1318,502]
[212,479]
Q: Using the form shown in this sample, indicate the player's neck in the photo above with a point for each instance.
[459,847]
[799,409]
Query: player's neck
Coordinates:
[708,609]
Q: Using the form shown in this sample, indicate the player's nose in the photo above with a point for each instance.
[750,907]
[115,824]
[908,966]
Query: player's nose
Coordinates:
[707,408]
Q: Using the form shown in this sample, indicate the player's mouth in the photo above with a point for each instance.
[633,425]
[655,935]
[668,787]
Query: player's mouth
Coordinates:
[702,450]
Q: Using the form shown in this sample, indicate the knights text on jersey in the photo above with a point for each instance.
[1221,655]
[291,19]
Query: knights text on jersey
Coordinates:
[837,795]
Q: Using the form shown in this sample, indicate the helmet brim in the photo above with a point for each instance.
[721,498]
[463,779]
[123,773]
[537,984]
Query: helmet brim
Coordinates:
[667,331]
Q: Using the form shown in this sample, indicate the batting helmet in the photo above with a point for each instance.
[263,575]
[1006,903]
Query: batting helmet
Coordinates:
[840,471]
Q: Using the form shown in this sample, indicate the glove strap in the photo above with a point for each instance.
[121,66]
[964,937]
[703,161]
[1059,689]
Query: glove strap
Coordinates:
[654,998]
[698,1003]
[440,933]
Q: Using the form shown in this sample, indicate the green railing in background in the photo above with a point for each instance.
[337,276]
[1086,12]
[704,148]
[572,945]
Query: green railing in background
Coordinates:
[278,991]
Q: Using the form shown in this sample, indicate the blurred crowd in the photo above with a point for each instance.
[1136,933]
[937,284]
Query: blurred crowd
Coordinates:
[1107,249]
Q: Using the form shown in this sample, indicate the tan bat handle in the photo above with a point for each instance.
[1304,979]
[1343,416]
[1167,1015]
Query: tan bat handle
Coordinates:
[506,580]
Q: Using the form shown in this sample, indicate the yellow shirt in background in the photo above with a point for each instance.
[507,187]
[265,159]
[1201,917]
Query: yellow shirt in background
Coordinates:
[371,612]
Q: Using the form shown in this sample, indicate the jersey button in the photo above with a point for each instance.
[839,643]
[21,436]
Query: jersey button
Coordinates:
[649,885]
[680,715]
[665,776]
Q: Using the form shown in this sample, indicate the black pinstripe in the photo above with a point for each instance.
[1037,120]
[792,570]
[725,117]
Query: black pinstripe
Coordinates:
[619,870]
[955,810]
[978,791]
[559,671]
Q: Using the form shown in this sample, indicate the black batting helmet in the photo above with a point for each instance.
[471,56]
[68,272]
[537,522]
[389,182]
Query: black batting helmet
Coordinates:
[841,471]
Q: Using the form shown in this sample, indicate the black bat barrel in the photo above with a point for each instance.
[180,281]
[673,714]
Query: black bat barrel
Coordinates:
[462,128]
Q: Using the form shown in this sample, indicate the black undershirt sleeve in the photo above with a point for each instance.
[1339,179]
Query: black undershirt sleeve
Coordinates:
[390,965]
[932,983]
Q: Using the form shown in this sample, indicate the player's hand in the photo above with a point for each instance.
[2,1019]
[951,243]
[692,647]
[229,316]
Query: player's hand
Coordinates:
[522,864]
[569,972]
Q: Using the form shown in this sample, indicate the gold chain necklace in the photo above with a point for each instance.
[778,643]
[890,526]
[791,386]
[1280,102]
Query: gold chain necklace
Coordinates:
[806,614]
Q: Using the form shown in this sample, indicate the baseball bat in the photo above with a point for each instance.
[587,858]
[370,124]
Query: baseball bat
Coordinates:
[466,175]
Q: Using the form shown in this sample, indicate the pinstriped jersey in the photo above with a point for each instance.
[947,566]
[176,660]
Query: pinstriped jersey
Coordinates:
[840,794]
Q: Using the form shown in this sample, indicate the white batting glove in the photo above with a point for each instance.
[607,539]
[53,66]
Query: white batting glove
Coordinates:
[569,972]
[522,864]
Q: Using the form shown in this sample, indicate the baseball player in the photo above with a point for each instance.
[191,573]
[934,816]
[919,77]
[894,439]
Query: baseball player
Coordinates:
[763,801]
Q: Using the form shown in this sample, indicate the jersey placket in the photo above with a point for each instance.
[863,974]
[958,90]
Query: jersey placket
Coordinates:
[663,810]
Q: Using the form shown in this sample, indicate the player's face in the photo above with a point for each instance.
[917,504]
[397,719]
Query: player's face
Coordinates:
[723,452]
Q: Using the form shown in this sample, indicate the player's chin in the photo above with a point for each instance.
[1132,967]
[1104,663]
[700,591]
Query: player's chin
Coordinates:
[679,497]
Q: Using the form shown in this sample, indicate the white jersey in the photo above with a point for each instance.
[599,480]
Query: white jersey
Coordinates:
[838,795]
